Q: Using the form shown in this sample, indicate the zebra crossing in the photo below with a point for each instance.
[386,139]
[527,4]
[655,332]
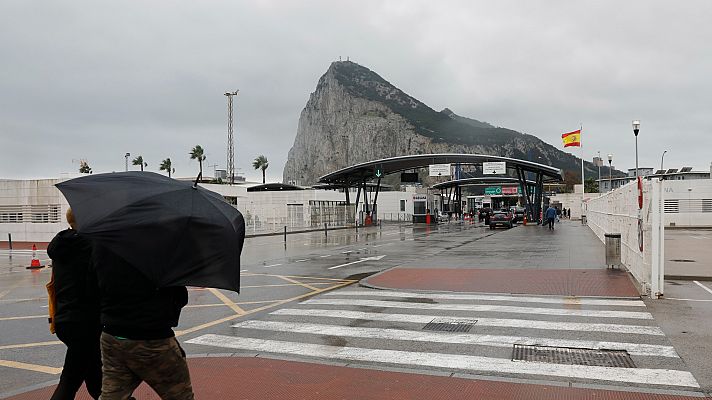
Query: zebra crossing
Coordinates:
[387,329]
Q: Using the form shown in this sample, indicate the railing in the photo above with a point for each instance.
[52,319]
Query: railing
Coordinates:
[395,217]
[641,229]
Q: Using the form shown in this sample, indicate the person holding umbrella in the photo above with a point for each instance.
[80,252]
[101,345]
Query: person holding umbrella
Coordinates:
[152,236]
[76,317]
[138,343]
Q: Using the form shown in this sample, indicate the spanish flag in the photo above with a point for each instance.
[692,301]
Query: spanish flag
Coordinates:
[572,138]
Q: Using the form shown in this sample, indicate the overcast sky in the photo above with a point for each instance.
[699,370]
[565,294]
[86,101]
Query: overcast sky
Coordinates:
[96,79]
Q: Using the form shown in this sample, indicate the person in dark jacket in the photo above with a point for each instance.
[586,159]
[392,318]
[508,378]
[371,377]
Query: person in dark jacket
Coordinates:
[138,343]
[551,216]
[77,312]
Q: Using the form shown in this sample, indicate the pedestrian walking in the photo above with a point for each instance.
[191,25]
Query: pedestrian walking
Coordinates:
[138,343]
[76,316]
[551,217]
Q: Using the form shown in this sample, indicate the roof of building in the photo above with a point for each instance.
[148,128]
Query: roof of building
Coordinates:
[359,172]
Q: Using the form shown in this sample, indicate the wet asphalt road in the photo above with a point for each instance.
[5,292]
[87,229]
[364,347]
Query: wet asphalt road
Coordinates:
[273,273]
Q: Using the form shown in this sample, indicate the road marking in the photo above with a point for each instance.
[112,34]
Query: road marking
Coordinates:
[31,367]
[270,266]
[298,277]
[306,259]
[296,282]
[26,345]
[277,303]
[244,270]
[674,298]
[521,299]
[375,258]
[453,361]
[704,287]
[227,301]
[23,300]
[328,255]
[482,308]
[454,338]
[500,322]
[23,317]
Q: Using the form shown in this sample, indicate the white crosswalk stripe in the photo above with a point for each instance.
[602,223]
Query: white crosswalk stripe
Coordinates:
[465,362]
[519,299]
[438,337]
[501,322]
[386,328]
[482,308]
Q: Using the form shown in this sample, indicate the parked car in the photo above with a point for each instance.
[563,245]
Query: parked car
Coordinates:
[518,213]
[501,218]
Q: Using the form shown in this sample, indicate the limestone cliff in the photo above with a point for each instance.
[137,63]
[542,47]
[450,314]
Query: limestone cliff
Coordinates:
[356,116]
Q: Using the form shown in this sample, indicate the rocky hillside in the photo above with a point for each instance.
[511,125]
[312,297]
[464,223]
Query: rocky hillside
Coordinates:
[356,116]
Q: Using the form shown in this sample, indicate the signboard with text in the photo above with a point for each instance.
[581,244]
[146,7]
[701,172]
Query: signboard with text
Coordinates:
[439,169]
[493,190]
[494,168]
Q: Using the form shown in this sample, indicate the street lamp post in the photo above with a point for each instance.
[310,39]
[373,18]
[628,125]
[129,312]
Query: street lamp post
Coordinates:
[126,156]
[662,159]
[599,171]
[636,129]
[610,171]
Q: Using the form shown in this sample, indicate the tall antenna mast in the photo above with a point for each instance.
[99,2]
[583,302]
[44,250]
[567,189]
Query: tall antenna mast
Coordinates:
[230,144]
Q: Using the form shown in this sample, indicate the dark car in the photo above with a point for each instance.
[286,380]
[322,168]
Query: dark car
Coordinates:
[501,218]
[518,213]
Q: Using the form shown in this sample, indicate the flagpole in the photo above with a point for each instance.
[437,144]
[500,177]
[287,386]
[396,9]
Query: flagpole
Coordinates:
[583,180]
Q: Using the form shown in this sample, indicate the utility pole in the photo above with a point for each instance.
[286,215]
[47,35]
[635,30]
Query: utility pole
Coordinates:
[230,144]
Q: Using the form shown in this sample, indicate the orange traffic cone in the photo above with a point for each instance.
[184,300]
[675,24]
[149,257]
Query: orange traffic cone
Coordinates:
[35,263]
[524,221]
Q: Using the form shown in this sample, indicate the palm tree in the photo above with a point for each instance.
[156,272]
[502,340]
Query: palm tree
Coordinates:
[261,163]
[139,161]
[166,166]
[197,154]
[84,167]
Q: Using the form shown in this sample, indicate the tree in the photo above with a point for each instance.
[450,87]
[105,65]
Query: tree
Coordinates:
[166,166]
[591,185]
[84,167]
[571,178]
[261,163]
[139,161]
[197,154]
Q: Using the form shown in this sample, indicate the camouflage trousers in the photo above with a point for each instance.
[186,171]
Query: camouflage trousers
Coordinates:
[160,363]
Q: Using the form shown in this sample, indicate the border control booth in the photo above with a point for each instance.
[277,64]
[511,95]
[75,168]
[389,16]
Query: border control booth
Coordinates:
[528,175]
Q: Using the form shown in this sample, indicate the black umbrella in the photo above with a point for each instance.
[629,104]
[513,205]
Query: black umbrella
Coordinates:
[176,233]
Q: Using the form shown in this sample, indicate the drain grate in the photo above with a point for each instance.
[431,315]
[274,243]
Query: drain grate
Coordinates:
[572,356]
[450,325]
[682,260]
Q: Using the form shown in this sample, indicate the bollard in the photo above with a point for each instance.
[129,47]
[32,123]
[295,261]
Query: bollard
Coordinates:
[9,240]
[285,234]
[325,234]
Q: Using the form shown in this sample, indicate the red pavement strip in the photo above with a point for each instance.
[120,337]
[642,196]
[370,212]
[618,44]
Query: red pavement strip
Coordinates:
[564,282]
[266,379]
[23,245]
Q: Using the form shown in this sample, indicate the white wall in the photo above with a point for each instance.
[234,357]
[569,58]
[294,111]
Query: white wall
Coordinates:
[688,203]
[618,211]
[22,195]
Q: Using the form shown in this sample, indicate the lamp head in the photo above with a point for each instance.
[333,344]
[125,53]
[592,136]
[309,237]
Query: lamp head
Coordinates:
[128,155]
[636,127]
[610,158]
